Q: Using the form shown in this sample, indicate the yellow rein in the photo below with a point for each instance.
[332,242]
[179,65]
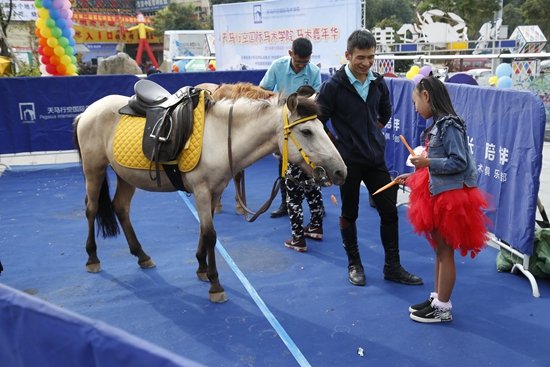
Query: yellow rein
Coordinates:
[288,134]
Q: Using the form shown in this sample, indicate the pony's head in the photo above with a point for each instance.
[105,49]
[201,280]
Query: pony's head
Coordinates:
[306,144]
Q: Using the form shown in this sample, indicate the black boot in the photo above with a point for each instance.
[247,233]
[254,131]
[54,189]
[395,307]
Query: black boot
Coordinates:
[356,273]
[393,270]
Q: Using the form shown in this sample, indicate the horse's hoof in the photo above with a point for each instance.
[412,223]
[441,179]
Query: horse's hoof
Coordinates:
[218,297]
[203,277]
[93,268]
[147,264]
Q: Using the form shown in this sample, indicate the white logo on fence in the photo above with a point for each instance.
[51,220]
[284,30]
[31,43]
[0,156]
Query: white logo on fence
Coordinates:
[257,13]
[27,113]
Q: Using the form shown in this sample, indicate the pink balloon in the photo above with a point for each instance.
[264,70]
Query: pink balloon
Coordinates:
[425,70]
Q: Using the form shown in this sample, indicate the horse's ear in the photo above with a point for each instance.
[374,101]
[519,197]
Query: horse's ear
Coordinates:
[292,102]
[306,91]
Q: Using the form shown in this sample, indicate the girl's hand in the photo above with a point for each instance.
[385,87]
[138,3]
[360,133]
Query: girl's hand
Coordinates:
[420,161]
[401,179]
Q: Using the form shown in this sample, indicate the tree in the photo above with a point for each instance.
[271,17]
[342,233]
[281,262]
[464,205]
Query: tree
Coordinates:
[378,10]
[4,22]
[177,16]
[537,12]
[512,17]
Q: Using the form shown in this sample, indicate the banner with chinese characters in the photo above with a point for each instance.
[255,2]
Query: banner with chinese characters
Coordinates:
[33,122]
[251,35]
[108,28]
[21,10]
[506,136]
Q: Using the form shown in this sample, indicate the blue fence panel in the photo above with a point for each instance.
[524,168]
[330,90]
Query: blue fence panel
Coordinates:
[36,114]
[506,135]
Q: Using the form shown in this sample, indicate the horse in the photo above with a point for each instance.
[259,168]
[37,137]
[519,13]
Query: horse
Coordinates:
[259,128]
[234,91]
[237,90]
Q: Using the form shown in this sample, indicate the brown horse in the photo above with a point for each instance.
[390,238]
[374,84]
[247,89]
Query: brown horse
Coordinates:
[259,128]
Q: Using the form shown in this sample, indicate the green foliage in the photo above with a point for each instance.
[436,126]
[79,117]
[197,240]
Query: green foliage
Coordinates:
[28,70]
[378,10]
[177,16]
[512,17]
[537,12]
[392,22]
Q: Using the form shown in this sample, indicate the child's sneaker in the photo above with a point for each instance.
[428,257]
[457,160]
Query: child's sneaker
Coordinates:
[431,314]
[296,245]
[420,306]
[315,233]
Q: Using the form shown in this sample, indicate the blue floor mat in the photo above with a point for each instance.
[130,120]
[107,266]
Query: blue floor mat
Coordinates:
[311,315]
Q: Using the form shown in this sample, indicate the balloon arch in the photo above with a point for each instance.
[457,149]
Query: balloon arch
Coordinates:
[54,29]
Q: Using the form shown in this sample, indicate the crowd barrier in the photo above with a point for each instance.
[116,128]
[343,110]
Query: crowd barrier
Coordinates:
[36,333]
[505,132]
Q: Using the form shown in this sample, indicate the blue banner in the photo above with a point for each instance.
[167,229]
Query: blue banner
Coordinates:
[506,136]
[37,113]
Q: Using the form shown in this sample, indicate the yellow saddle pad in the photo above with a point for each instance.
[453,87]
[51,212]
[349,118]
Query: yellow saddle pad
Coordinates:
[129,135]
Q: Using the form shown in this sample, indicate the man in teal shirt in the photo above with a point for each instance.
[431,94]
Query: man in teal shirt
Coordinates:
[286,75]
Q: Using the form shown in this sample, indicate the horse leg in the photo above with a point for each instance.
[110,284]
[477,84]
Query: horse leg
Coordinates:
[206,249]
[93,187]
[201,258]
[201,248]
[121,202]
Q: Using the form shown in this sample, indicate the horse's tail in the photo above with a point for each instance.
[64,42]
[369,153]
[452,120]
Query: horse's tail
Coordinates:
[105,217]
[75,137]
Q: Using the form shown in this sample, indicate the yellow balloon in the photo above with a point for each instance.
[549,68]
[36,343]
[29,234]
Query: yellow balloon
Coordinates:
[65,60]
[52,42]
[415,69]
[59,51]
[39,22]
[409,75]
[46,32]
[71,69]
[493,80]
[44,13]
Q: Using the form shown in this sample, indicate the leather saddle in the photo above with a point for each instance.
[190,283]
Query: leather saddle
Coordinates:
[168,120]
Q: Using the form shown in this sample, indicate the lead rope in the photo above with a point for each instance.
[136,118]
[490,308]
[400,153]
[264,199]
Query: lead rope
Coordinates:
[240,193]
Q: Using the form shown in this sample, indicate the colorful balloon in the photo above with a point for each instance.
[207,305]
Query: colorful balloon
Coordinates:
[504,82]
[55,37]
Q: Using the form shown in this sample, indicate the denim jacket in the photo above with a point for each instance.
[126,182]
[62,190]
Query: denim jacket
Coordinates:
[452,165]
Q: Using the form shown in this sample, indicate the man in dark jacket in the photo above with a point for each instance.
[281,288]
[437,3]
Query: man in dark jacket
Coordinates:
[357,101]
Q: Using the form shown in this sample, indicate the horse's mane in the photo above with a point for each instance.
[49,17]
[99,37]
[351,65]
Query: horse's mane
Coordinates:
[241,90]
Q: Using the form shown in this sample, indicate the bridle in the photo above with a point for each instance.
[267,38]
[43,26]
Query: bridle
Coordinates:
[319,173]
[288,134]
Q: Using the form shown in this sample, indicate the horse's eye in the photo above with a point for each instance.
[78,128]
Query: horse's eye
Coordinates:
[306,132]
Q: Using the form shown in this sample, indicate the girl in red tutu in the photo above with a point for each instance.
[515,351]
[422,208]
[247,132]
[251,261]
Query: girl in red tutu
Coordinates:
[444,205]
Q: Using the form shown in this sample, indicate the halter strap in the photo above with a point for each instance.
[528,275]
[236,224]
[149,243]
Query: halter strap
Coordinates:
[287,134]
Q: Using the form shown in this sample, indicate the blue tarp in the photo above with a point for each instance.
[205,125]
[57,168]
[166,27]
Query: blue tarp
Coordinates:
[36,333]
